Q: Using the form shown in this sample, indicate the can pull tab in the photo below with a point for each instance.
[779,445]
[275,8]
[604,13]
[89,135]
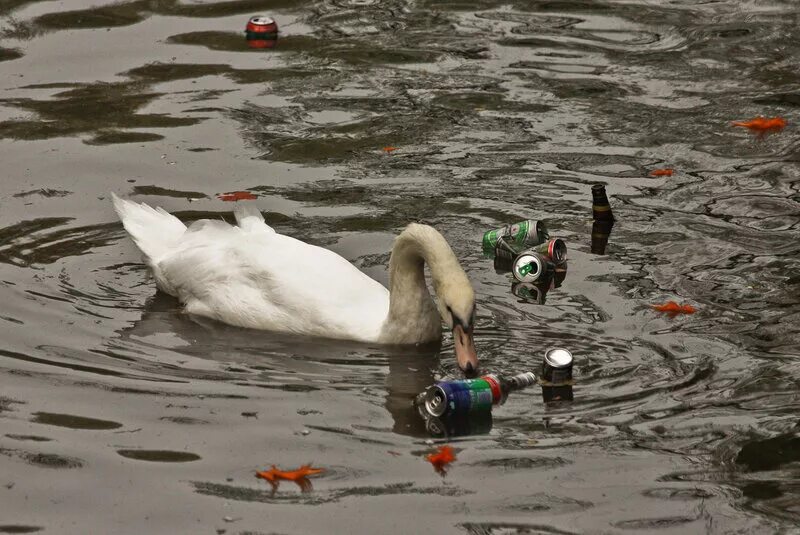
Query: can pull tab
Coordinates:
[527,268]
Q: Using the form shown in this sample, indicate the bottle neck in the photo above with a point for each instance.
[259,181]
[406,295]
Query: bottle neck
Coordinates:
[517,382]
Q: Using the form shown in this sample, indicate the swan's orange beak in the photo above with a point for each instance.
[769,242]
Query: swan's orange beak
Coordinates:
[466,356]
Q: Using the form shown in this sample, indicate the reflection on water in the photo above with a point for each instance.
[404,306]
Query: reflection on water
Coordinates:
[500,111]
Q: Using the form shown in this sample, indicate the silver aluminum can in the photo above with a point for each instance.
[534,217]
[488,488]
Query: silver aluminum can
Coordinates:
[557,366]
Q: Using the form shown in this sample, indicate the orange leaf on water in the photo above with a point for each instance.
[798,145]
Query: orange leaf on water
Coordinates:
[237,196]
[389,150]
[441,458]
[661,172]
[300,476]
[673,308]
[762,125]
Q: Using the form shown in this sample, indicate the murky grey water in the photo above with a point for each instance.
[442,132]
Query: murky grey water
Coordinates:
[118,414]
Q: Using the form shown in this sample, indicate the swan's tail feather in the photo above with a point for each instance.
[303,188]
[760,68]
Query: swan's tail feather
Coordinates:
[154,230]
[249,218]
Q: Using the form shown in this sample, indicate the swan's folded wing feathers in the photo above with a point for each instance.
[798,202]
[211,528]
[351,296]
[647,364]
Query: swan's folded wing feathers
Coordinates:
[269,281]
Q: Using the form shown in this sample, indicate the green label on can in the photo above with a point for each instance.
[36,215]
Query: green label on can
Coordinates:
[480,393]
[490,238]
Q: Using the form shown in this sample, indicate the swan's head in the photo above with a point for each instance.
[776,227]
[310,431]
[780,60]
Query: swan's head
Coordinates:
[456,303]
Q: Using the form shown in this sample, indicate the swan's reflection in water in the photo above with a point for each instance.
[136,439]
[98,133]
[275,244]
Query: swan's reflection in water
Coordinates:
[295,363]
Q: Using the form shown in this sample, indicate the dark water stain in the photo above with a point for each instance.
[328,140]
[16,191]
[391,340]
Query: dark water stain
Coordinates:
[33,438]
[5,403]
[510,528]
[678,493]
[655,523]
[44,460]
[90,109]
[160,456]
[166,192]
[115,15]
[165,72]
[44,192]
[113,137]
[51,460]
[247,494]
[184,420]
[762,490]
[19,528]
[523,463]
[770,453]
[221,9]
[72,421]
[10,5]
[8,54]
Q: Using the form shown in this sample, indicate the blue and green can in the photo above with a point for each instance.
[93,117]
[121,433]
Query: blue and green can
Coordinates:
[458,397]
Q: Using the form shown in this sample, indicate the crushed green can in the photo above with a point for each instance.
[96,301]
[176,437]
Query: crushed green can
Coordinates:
[522,234]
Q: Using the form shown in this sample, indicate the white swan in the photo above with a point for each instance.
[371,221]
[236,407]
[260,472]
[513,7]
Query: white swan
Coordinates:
[250,276]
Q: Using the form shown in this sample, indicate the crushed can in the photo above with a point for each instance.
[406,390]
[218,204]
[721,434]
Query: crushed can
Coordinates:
[522,234]
[554,249]
[504,255]
[261,32]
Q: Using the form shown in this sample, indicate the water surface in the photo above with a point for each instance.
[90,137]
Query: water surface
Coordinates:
[120,414]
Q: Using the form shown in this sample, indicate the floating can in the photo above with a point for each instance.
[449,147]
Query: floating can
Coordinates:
[530,266]
[504,255]
[601,208]
[261,32]
[454,397]
[522,234]
[557,366]
[556,378]
[555,250]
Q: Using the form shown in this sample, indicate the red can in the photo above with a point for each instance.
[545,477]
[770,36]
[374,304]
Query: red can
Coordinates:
[261,32]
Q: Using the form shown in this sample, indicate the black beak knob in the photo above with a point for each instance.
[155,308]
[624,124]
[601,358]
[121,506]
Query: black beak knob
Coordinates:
[469,371]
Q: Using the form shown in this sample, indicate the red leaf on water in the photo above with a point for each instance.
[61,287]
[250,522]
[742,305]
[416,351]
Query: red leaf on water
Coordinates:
[673,308]
[441,458]
[762,125]
[389,150]
[237,196]
[661,172]
[300,476]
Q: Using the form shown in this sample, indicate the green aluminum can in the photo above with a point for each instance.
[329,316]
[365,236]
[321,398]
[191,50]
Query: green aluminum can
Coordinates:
[523,234]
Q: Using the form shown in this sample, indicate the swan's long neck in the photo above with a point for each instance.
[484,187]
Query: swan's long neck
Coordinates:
[413,316]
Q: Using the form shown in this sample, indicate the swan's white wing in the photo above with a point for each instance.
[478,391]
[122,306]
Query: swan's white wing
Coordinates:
[265,280]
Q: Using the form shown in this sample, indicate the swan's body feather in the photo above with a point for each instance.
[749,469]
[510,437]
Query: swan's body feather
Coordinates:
[250,276]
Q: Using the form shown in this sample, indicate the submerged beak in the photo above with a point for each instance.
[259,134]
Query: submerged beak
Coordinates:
[466,355]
